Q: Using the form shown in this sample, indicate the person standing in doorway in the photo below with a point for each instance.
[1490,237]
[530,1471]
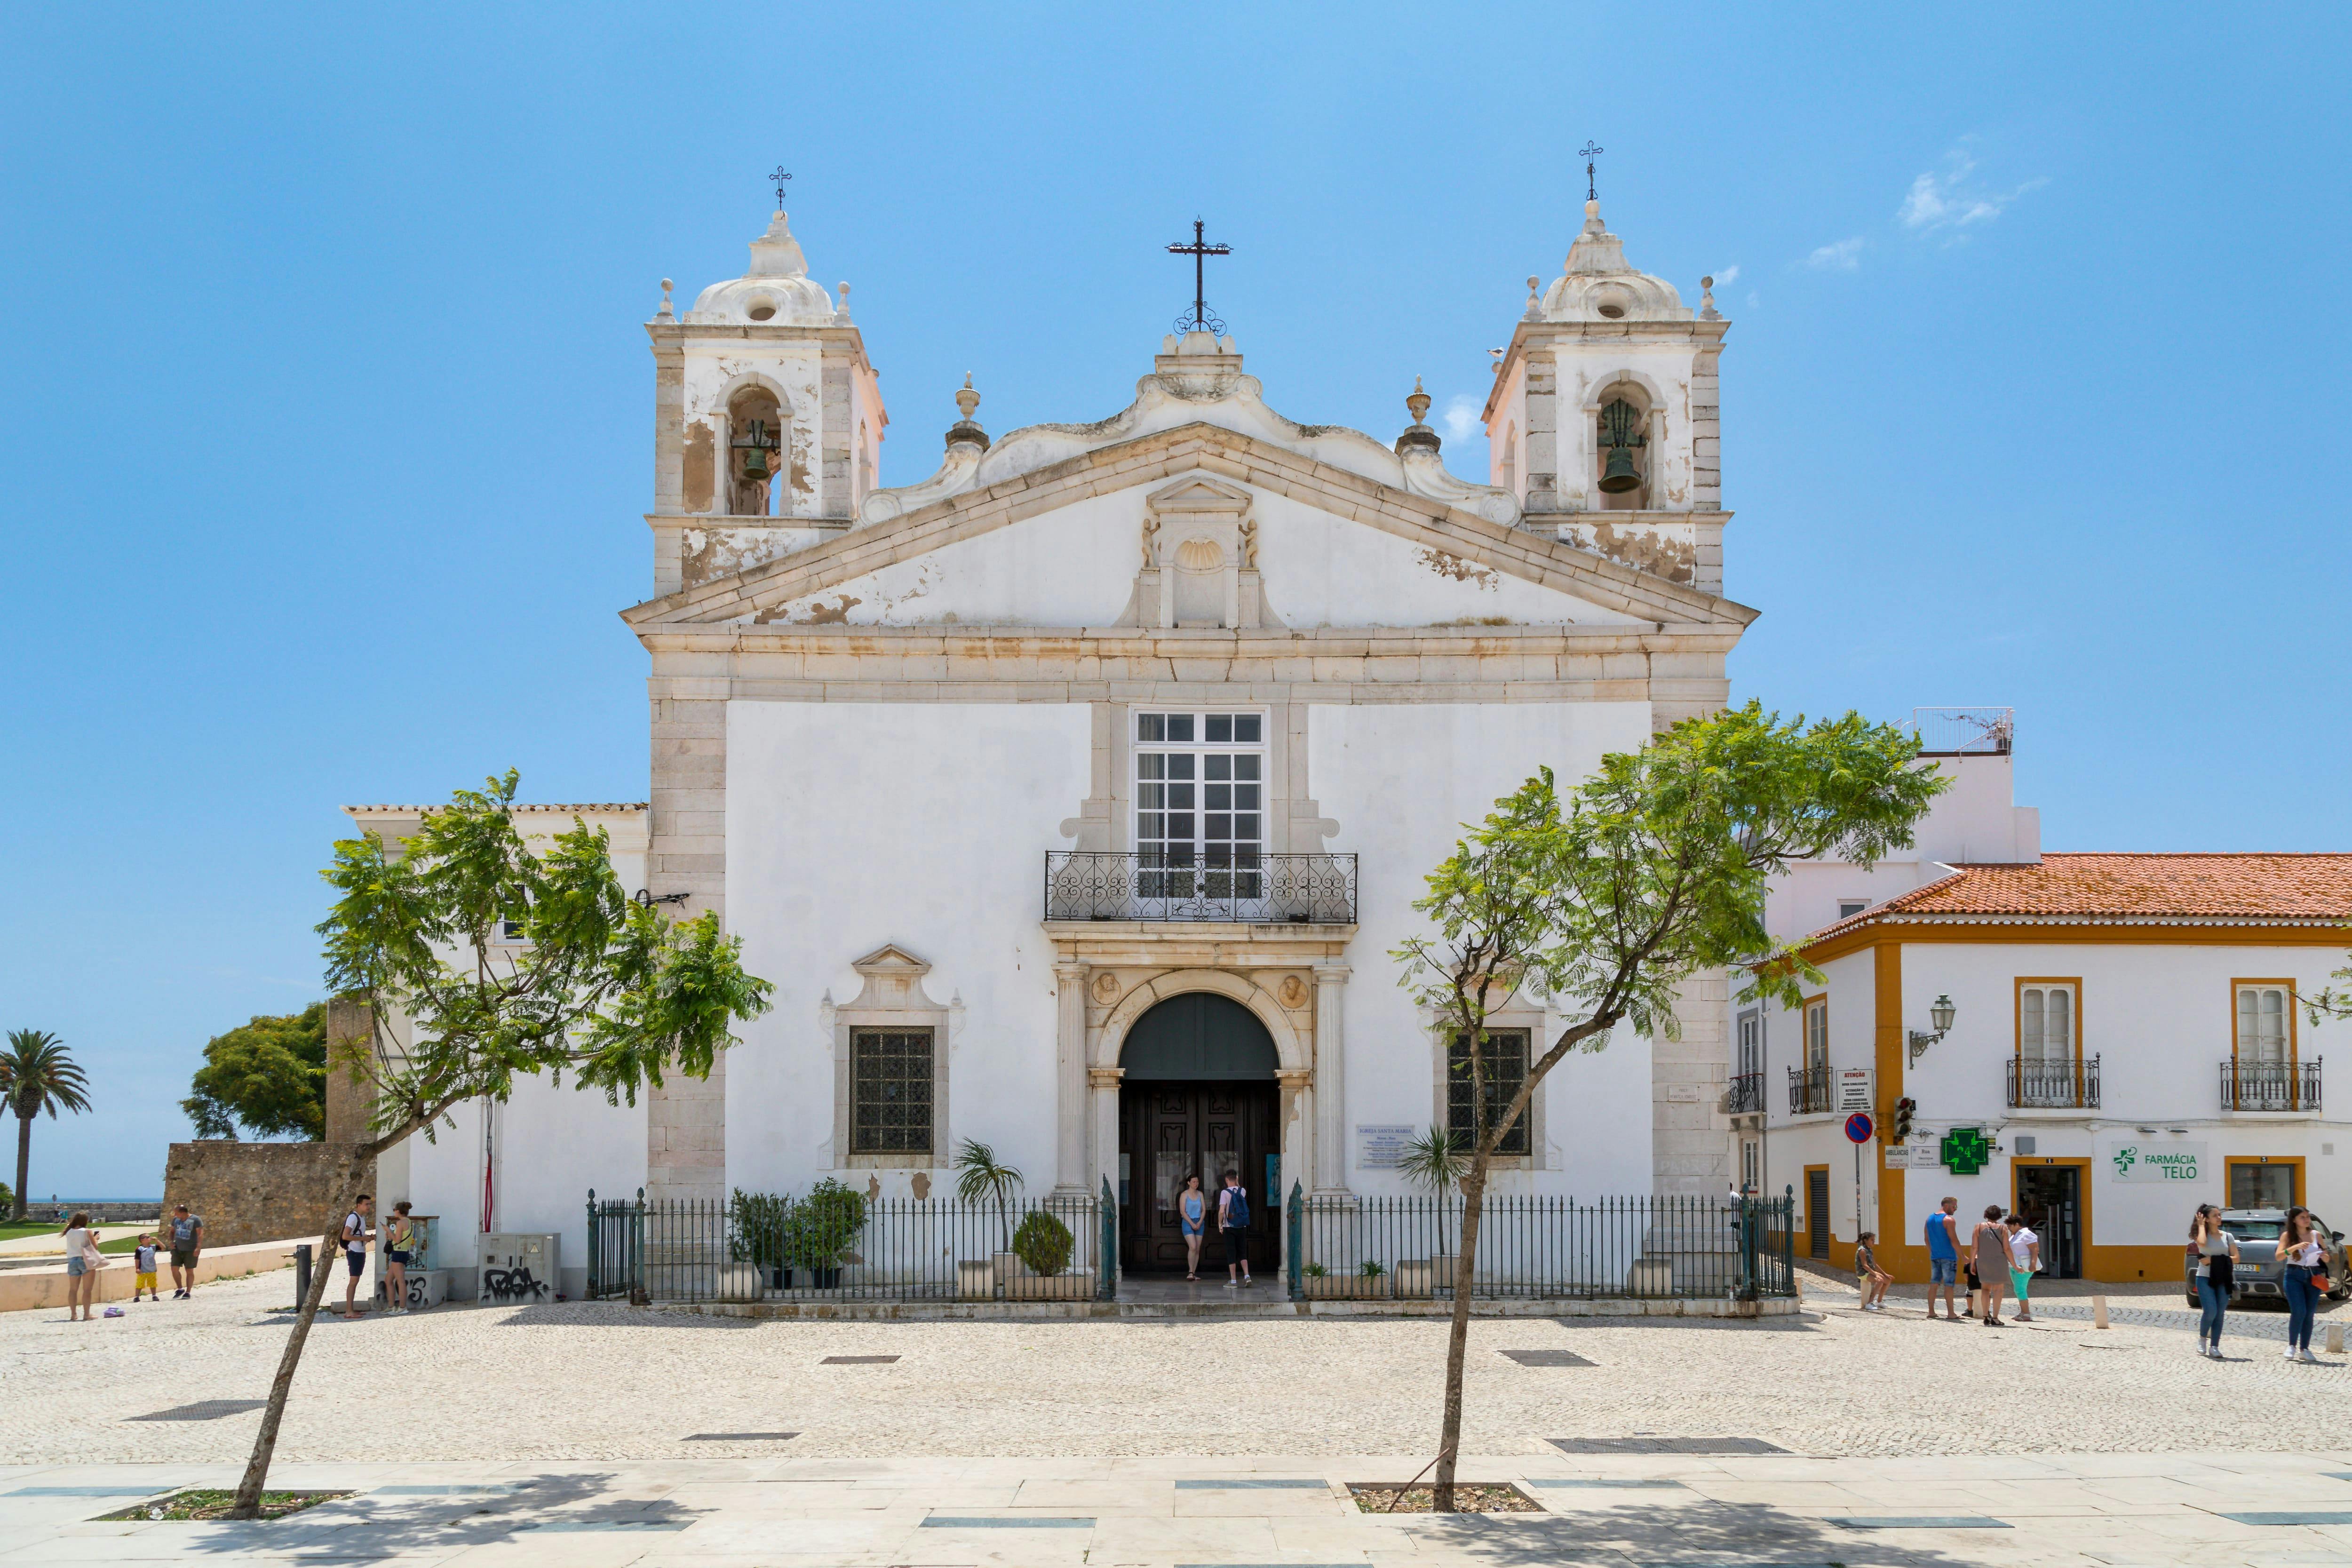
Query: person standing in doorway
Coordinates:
[355,1243]
[2216,1251]
[1944,1256]
[2024,1259]
[185,1232]
[2298,1246]
[1232,1229]
[1989,1250]
[1192,1217]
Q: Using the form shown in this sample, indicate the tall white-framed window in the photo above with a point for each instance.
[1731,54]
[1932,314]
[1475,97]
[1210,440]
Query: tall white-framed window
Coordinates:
[1817,1035]
[1200,803]
[2048,1035]
[2265,1037]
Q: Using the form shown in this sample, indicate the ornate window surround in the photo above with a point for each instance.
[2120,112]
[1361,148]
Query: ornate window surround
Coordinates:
[892,996]
[1521,1012]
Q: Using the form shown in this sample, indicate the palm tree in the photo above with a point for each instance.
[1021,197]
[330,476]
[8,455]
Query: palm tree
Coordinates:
[37,1074]
[1436,1159]
[980,1177]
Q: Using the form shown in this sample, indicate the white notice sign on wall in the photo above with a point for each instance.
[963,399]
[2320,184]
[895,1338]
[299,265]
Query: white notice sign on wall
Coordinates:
[1854,1090]
[1898,1156]
[1380,1148]
[2150,1160]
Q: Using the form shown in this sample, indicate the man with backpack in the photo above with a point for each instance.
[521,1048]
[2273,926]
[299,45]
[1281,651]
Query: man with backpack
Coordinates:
[1232,1229]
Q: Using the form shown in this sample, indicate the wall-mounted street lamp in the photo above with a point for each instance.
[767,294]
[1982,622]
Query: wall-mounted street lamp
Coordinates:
[646,897]
[1942,1014]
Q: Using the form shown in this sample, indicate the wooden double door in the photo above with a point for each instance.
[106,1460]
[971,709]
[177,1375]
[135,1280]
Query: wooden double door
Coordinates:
[1172,1130]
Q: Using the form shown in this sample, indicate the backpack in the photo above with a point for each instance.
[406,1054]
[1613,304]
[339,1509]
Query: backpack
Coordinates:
[1236,1208]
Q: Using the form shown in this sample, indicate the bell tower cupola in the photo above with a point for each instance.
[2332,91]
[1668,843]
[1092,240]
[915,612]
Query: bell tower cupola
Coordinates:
[767,413]
[1604,419]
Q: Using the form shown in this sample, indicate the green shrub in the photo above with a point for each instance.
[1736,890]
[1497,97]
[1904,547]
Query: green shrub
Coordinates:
[1372,1270]
[1043,1243]
[755,1227]
[1316,1271]
[823,1225]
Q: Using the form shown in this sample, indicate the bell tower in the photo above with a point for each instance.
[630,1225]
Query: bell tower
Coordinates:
[768,416]
[1604,419]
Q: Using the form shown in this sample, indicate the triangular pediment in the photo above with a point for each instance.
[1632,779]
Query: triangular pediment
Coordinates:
[1091,511]
[890,959]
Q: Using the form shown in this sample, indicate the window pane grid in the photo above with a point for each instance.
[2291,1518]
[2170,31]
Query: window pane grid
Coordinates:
[1200,806]
[1504,1062]
[890,1091]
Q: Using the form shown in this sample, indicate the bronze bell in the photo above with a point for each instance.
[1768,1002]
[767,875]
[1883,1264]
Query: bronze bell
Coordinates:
[1618,475]
[755,448]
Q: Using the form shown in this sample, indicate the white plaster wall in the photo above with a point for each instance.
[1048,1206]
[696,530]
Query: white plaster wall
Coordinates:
[925,825]
[1663,371]
[792,369]
[1400,780]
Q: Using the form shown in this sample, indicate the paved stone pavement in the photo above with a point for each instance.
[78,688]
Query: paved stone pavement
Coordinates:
[1624,1511]
[604,1382]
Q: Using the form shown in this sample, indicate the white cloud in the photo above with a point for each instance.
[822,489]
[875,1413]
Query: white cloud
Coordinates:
[1725,277]
[1461,418]
[1843,257]
[1950,202]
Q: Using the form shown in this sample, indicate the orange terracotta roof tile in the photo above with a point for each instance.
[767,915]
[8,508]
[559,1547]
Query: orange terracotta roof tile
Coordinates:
[2102,889]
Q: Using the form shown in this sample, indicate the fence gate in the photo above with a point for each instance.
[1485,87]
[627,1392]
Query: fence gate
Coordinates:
[1817,1212]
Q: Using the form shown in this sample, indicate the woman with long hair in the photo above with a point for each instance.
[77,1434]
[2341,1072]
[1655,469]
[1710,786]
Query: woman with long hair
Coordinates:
[1193,1209]
[2299,1249]
[2216,1251]
[83,1260]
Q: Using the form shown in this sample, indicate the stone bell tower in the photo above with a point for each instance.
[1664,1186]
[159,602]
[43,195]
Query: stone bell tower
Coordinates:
[1603,418]
[768,418]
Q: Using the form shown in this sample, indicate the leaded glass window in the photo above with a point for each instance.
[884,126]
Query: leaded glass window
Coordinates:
[1503,1063]
[890,1091]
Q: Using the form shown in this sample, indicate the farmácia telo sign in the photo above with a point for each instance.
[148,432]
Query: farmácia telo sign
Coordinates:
[2156,1161]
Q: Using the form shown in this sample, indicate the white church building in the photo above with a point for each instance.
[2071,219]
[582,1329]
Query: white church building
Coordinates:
[1075,797]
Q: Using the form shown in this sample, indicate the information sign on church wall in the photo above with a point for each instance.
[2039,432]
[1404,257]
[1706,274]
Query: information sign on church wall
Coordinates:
[1380,1148]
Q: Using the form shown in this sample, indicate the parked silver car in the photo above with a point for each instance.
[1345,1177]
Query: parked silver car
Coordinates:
[2257,1275]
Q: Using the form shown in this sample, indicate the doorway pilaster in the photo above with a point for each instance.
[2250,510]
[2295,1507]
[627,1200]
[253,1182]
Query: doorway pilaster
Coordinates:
[1331,1096]
[1104,1084]
[1070,1079]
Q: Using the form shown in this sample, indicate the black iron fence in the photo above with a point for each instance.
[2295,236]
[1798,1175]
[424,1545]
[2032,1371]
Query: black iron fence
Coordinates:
[1644,1247]
[1220,883]
[2270,1085]
[2063,1084]
[1744,1095]
[1809,1090]
[834,1244]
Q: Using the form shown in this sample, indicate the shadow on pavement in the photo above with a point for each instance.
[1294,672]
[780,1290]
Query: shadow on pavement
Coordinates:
[382,1524]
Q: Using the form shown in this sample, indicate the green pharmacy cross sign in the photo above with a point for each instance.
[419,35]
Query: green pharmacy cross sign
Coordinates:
[1966,1150]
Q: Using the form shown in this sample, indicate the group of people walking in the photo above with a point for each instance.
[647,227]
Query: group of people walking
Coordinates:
[2001,1254]
[85,1260]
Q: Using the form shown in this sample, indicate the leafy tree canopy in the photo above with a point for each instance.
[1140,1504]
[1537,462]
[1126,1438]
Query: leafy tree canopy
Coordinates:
[268,1076]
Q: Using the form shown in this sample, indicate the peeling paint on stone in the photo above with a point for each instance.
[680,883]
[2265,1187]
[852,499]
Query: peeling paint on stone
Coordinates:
[700,470]
[1645,550]
[1446,563]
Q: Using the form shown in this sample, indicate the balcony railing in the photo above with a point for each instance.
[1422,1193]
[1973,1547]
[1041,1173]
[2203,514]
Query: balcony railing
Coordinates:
[2270,1085]
[1809,1090]
[1744,1095]
[2053,1086]
[1249,888]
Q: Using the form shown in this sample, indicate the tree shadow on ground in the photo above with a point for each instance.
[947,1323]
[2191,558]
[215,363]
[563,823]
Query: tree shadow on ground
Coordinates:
[1693,1534]
[385,1523]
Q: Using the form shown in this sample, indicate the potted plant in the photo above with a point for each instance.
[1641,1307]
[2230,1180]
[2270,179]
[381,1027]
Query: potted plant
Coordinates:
[755,1235]
[980,1178]
[1043,1246]
[819,1231]
[1437,1160]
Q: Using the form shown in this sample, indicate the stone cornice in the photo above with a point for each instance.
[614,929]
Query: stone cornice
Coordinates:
[1152,460]
[1705,336]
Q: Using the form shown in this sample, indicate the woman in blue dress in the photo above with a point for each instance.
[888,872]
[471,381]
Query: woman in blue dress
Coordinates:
[1192,1208]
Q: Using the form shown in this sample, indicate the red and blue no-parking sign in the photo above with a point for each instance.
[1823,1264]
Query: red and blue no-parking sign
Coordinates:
[1858,1127]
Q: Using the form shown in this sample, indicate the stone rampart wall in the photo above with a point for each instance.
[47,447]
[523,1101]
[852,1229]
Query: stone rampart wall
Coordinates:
[264,1192]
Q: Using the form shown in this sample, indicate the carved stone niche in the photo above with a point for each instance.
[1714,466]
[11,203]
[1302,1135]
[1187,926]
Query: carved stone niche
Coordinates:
[1200,557]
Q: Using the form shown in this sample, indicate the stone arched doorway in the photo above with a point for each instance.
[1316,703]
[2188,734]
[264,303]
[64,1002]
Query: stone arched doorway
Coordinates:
[1197,1097]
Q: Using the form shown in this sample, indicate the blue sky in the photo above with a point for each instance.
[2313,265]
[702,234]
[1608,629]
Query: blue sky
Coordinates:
[325,414]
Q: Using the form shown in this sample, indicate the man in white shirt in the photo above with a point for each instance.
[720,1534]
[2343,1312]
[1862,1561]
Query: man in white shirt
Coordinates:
[2024,1260]
[355,1245]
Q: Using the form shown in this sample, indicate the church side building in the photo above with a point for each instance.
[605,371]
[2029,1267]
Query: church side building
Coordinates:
[1075,797]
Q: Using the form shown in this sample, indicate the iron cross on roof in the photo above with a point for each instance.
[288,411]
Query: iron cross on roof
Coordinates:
[777,179]
[1589,151]
[1199,321]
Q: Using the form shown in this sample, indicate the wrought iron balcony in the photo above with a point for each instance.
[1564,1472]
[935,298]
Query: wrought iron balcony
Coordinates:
[2053,1086]
[1744,1095]
[1246,887]
[2270,1085]
[1809,1090]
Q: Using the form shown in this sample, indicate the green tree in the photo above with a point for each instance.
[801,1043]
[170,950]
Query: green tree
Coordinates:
[604,989]
[981,1177]
[1652,872]
[267,1075]
[37,1074]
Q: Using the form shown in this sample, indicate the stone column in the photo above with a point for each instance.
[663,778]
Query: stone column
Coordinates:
[1689,1155]
[1105,1084]
[1299,1141]
[1070,1079]
[1330,1079]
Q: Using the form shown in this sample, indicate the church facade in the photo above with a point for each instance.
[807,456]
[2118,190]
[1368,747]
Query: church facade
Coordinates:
[1075,797]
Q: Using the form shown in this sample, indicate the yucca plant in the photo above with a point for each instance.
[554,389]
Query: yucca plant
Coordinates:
[1437,1160]
[981,1177]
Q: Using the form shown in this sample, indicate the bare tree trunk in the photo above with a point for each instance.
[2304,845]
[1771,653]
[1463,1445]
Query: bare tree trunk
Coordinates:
[1457,1339]
[265,1442]
[23,1163]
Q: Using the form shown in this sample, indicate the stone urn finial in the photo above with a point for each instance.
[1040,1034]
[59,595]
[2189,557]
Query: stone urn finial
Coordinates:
[1418,402]
[966,399]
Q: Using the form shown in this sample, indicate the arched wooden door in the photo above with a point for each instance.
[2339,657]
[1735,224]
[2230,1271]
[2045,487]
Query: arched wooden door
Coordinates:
[1198,1098]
